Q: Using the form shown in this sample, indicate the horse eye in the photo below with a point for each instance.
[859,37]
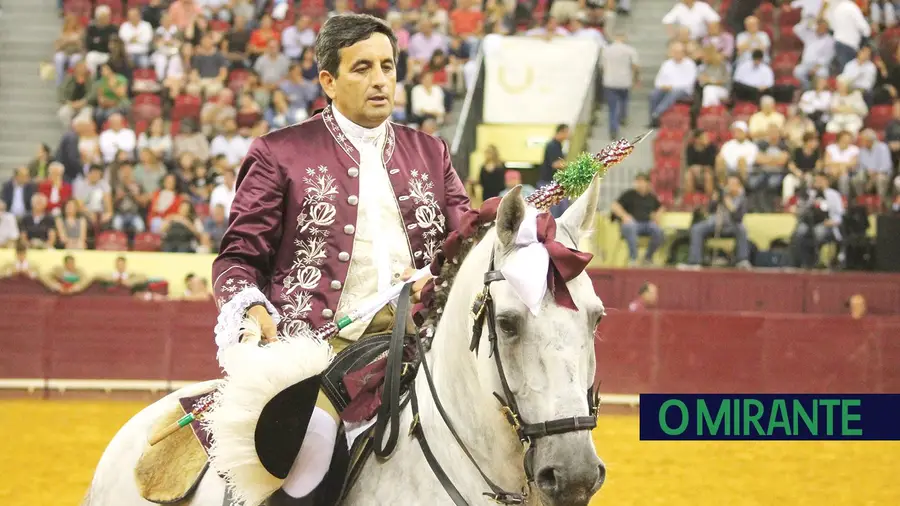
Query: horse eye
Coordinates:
[508,324]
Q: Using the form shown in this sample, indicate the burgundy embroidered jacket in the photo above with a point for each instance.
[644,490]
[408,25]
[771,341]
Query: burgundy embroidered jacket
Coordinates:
[292,222]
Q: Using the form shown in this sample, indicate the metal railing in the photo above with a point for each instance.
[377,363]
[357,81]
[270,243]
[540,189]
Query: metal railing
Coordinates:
[465,137]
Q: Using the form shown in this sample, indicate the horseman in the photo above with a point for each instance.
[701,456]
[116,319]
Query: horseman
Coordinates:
[330,212]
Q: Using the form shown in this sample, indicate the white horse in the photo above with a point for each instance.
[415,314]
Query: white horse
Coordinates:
[549,365]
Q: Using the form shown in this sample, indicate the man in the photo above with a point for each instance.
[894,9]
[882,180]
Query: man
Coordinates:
[38,229]
[17,192]
[700,158]
[223,194]
[675,80]
[137,35]
[209,66]
[272,66]
[639,211]
[9,227]
[818,51]
[849,27]
[692,14]
[751,40]
[771,166]
[767,116]
[121,276]
[95,196]
[513,178]
[315,227]
[554,160]
[727,219]
[230,143]
[118,137]
[647,298]
[97,37]
[738,155]
[874,167]
[298,37]
[753,79]
[861,72]
[620,72]
[819,217]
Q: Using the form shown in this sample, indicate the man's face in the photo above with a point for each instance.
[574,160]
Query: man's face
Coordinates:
[865,54]
[820,182]
[821,28]
[39,205]
[774,136]
[364,87]
[22,175]
[563,134]
[650,296]
[120,265]
[739,134]
[69,263]
[677,52]
[767,107]
[272,48]
[702,139]
[230,127]
[94,176]
[134,16]
[641,185]
[734,186]
[303,23]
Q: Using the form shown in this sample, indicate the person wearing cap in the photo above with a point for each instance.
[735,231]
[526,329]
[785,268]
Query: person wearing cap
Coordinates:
[513,178]
[753,78]
[738,155]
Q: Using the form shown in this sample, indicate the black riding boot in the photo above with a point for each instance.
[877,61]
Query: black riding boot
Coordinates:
[280,498]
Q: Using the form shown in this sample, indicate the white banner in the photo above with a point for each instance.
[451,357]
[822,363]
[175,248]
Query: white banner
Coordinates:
[534,81]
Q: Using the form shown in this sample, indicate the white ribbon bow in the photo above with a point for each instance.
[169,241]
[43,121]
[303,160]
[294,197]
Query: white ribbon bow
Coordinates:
[526,268]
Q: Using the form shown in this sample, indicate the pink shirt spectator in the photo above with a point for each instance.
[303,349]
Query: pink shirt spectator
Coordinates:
[184,13]
[421,47]
[724,42]
[402,39]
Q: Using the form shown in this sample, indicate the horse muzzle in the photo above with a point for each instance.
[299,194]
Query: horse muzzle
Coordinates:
[570,482]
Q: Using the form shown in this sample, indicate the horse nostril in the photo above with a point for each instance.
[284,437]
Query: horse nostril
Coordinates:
[602,478]
[547,479]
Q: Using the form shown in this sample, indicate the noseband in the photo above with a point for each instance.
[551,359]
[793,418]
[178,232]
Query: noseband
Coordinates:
[483,312]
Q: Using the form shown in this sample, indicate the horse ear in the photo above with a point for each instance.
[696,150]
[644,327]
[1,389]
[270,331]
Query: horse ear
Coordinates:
[510,214]
[579,217]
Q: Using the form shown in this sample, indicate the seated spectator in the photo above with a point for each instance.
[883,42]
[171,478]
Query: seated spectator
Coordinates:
[458,56]
[753,79]
[164,202]
[280,113]
[17,193]
[580,30]
[727,212]
[20,266]
[309,66]
[700,158]
[693,14]
[234,45]
[818,51]
[184,13]
[873,172]
[760,122]
[796,126]
[437,15]
[437,66]
[223,194]
[9,227]
[892,135]
[190,140]
[200,185]
[300,91]
[215,226]
[428,99]
[805,162]
[120,275]
[260,38]
[156,139]
[118,137]
[41,162]
[55,189]
[209,67]
[513,178]
[230,143]
[72,227]
[737,156]
[272,66]
[149,171]
[88,147]
[691,47]
[714,78]
[258,94]
[429,126]
[109,95]
[97,37]
[674,81]
[137,35]
[214,113]
[69,47]
[298,37]
[848,108]
[842,157]
[424,43]
[639,211]
[168,44]
[400,104]
[860,72]
[816,103]
[66,279]
[719,39]
[647,298]
[76,90]
[751,40]
[819,217]
[182,231]
[128,199]
[196,288]
[38,228]
[95,196]
[771,164]
[178,76]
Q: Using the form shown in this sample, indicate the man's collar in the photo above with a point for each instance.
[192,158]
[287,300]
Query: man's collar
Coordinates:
[357,133]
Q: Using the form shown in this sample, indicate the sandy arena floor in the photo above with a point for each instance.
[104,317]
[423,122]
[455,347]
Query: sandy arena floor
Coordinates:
[49,449]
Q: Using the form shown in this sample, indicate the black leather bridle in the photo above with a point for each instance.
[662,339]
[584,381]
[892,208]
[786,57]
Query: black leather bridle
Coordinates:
[528,433]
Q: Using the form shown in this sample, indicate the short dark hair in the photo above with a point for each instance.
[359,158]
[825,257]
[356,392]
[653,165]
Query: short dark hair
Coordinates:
[644,288]
[344,30]
[68,257]
[642,176]
[562,127]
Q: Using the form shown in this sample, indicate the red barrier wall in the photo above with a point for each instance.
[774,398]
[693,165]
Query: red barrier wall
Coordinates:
[98,337]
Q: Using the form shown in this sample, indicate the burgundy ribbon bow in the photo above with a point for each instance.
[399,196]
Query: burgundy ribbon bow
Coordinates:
[565,263]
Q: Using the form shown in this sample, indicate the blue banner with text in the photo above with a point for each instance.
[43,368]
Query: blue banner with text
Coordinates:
[772,417]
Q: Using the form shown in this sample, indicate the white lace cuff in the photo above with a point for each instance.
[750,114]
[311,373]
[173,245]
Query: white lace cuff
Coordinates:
[231,315]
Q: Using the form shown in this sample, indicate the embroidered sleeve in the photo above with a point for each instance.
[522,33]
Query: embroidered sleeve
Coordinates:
[231,313]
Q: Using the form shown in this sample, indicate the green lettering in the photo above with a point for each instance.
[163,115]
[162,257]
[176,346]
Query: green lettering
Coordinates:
[664,425]
[847,417]
[829,404]
[779,418]
[705,420]
[736,422]
[812,424]
[752,418]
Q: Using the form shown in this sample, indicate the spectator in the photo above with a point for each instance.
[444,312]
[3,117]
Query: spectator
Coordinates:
[424,43]
[639,211]
[842,157]
[120,275]
[69,47]
[9,227]
[38,228]
[738,155]
[118,137]
[437,16]
[848,27]
[761,121]
[753,78]
[796,126]
[860,72]
[873,172]
[179,75]
[74,94]
[721,40]
[691,47]
[17,193]
[200,183]
[192,141]
[156,139]
[582,31]
[727,209]
[184,13]
[20,266]
[153,13]
[298,37]
[429,126]
[150,171]
[182,231]
[216,9]
[66,279]
[128,198]
[848,108]
[513,178]
[223,194]
[818,52]
[109,94]
[137,35]
[806,161]
[714,78]
[752,40]
[72,227]
[857,303]
[95,196]
[38,167]
[196,288]
[700,158]
[309,67]
[548,30]
[280,113]
[260,38]
[816,103]
[819,217]
[674,81]
[55,189]
[491,177]
[428,99]
[88,148]
[272,66]
[214,114]
[230,143]
[621,70]
[216,225]
[97,38]
[401,104]
[768,174]
[693,14]
[236,42]
[467,19]
[164,202]
[458,57]
[209,67]
[167,44]
[647,298]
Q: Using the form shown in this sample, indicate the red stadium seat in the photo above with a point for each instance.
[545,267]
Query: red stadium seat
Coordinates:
[140,126]
[789,17]
[237,78]
[828,138]
[675,119]
[879,117]
[871,202]
[694,200]
[666,196]
[744,109]
[111,240]
[175,127]
[147,241]
[667,148]
[186,106]
[201,209]
[247,120]
[217,25]
[79,8]
[788,41]
[765,13]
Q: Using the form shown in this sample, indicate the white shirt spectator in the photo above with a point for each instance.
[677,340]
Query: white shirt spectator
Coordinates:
[293,41]
[142,33]
[590,33]
[694,17]
[734,150]
[234,148]
[861,75]
[9,228]
[91,194]
[817,49]
[677,75]
[842,155]
[425,102]
[111,142]
[809,9]
[750,74]
[540,30]
[222,195]
[847,23]
[812,101]
[759,40]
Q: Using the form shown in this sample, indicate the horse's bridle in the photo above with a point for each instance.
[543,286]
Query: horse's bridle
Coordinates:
[484,313]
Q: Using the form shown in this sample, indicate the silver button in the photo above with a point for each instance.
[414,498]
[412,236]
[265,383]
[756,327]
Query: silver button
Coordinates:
[327,313]
[396,275]
[353,200]
[352,172]
[336,285]
[349,229]
[343,256]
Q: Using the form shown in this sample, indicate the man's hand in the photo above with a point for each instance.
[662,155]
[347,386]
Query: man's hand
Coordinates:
[627,219]
[261,314]
[416,291]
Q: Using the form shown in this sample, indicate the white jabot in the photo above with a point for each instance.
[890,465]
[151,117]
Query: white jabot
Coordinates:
[526,268]
[380,249]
